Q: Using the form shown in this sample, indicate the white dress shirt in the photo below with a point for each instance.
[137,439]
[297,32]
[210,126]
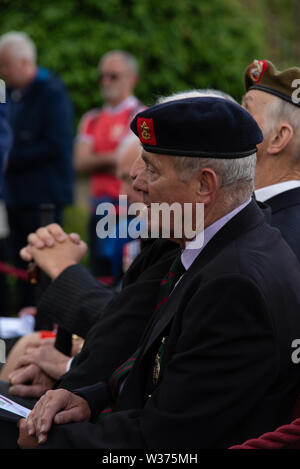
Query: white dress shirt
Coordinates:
[268,192]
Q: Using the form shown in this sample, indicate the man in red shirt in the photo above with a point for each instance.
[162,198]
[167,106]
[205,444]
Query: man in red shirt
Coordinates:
[101,131]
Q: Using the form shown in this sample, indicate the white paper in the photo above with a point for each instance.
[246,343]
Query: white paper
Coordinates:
[13,407]
[15,327]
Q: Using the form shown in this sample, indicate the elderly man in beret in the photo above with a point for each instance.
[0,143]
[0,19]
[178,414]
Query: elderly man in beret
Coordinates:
[213,367]
[273,99]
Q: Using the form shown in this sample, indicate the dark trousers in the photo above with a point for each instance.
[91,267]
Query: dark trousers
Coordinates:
[22,221]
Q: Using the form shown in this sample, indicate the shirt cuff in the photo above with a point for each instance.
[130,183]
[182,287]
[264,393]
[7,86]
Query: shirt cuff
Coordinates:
[69,364]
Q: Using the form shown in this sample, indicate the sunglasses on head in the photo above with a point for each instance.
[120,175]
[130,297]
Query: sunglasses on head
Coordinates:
[111,76]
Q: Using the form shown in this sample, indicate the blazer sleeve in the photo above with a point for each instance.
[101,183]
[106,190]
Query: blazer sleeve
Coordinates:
[75,300]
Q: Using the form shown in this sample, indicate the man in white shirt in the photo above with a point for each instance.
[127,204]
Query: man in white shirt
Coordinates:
[272,99]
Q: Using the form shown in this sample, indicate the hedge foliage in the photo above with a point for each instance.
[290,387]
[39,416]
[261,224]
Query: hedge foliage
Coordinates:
[179,44]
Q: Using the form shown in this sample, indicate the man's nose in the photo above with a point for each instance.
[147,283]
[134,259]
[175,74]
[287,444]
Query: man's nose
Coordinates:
[139,180]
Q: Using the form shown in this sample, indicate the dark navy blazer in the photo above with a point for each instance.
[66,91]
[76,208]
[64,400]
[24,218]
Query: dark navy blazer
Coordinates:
[226,373]
[286,217]
[5,139]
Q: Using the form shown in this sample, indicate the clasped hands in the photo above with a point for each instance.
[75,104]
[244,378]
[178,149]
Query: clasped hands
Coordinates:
[53,250]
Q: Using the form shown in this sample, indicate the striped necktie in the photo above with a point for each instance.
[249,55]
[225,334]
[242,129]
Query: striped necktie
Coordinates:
[166,287]
[168,283]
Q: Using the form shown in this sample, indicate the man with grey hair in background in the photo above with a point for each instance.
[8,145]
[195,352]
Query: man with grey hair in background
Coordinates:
[213,367]
[100,133]
[39,166]
[273,100]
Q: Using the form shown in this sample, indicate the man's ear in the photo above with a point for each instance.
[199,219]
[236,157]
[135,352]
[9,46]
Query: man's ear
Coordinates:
[280,138]
[207,184]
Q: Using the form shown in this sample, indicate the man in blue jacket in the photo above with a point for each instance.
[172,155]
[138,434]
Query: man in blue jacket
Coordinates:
[5,138]
[5,145]
[39,167]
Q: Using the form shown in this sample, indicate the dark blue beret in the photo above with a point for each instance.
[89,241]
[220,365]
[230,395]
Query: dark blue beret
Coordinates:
[200,127]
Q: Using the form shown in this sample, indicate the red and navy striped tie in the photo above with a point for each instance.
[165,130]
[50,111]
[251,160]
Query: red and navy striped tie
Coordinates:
[166,287]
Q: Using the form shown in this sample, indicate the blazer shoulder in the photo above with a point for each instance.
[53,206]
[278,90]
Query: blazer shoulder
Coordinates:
[284,200]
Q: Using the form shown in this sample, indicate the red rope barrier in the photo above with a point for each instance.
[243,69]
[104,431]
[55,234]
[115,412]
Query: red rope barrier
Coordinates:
[282,437]
[14,271]
[22,274]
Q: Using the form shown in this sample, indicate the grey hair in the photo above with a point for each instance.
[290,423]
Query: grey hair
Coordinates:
[236,175]
[196,93]
[129,59]
[19,44]
[279,110]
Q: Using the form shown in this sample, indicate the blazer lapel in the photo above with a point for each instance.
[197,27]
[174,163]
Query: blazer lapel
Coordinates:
[250,217]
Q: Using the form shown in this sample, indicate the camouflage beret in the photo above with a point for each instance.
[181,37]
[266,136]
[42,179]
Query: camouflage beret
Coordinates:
[198,127]
[262,75]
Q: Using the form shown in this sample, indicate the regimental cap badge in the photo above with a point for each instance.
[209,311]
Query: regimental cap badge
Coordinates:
[263,75]
[257,69]
[145,130]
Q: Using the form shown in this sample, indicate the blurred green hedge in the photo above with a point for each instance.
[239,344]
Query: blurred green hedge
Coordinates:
[179,44]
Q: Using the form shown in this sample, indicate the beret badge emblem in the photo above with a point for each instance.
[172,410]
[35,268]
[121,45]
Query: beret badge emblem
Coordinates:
[145,130]
[257,69]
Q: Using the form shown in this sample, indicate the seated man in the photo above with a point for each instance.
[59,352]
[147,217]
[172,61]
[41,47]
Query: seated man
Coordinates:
[77,308]
[269,98]
[213,366]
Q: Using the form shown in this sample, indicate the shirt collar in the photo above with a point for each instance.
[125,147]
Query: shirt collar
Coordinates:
[189,254]
[268,192]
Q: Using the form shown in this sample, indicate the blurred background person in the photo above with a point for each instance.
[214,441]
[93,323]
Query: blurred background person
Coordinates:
[100,134]
[5,131]
[39,166]
[5,145]
[129,163]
